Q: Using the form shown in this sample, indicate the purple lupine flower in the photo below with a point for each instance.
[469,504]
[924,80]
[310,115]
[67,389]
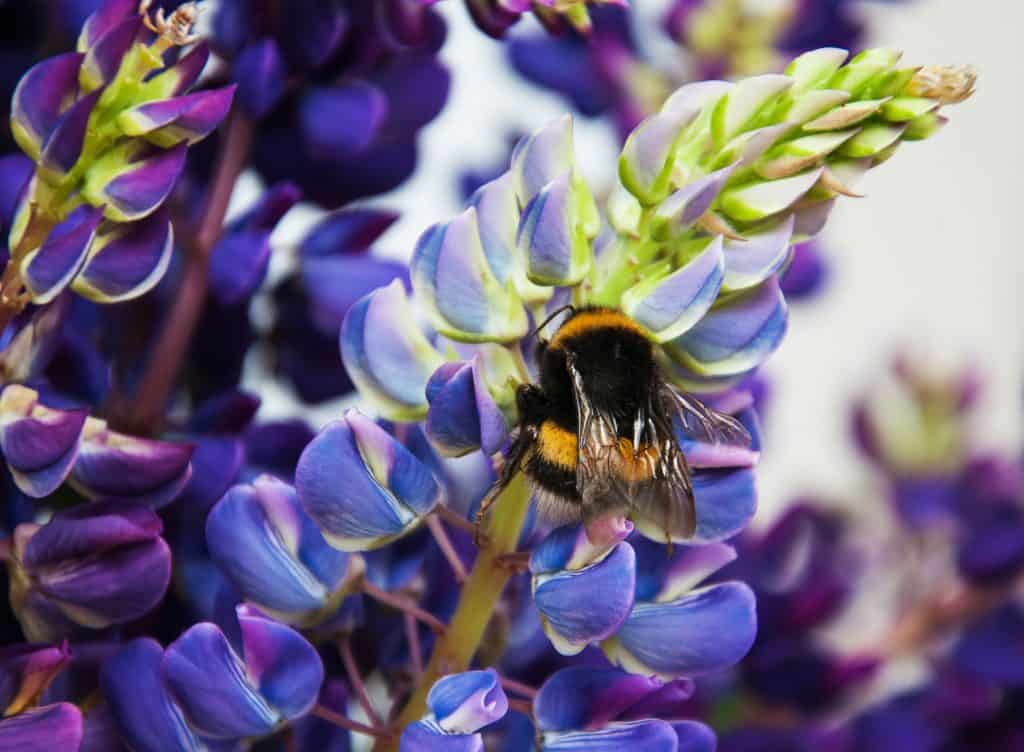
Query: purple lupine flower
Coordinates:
[89,567]
[357,115]
[274,554]
[599,708]
[460,706]
[387,493]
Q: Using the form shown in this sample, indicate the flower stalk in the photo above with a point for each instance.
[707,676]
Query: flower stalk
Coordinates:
[481,593]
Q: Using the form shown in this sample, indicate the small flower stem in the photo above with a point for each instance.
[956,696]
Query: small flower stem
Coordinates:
[447,549]
[175,335]
[521,706]
[412,634]
[455,519]
[456,646]
[518,687]
[347,723]
[403,604]
[516,561]
[355,680]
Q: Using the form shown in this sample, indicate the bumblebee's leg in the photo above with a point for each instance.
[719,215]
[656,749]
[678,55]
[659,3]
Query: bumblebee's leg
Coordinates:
[512,465]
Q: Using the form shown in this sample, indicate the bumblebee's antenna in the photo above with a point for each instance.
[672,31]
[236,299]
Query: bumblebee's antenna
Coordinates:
[549,319]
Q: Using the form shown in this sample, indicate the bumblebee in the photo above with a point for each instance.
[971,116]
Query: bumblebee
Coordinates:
[597,435]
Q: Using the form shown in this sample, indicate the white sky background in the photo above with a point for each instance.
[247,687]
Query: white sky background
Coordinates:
[929,258]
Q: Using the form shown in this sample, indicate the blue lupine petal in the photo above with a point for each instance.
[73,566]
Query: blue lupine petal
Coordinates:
[113,465]
[44,729]
[690,202]
[340,121]
[207,680]
[386,492]
[586,605]
[577,546]
[467,702]
[453,280]
[147,718]
[650,736]
[63,146]
[992,650]
[50,268]
[336,283]
[750,261]
[668,307]
[105,53]
[551,236]
[189,118]
[107,16]
[26,670]
[541,157]
[255,533]
[711,629]
[582,697]
[464,415]
[346,231]
[427,736]
[664,578]
[138,188]
[694,737]
[128,260]
[281,664]
[386,355]
[262,75]
[40,98]
[737,334]
[39,444]
[238,265]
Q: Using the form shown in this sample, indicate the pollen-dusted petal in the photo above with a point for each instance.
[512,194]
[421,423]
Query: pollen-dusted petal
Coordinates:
[280,663]
[579,607]
[453,280]
[541,157]
[662,577]
[668,305]
[551,235]
[115,465]
[133,189]
[711,630]
[147,718]
[208,681]
[63,146]
[386,493]
[758,256]
[737,334]
[127,260]
[47,270]
[271,550]
[105,54]
[340,121]
[467,702]
[42,729]
[40,99]
[188,118]
[583,697]
[649,735]
[386,355]
[39,443]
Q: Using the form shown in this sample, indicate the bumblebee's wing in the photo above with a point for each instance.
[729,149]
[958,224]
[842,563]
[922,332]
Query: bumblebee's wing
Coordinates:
[598,456]
[699,421]
[664,503]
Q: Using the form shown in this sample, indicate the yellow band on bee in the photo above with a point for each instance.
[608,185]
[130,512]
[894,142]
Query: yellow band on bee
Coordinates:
[599,318]
[556,445]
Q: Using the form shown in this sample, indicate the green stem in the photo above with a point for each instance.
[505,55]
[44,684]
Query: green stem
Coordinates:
[454,650]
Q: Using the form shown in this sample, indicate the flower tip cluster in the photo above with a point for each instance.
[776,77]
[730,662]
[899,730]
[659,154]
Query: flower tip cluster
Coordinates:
[949,84]
[177,28]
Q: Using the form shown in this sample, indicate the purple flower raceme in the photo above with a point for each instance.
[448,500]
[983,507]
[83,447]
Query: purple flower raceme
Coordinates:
[108,127]
[354,82]
[495,17]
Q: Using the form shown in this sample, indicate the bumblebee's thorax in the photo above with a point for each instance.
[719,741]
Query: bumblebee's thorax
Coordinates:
[614,358]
